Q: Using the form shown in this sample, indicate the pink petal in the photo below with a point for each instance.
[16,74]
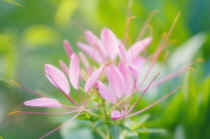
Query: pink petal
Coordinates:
[138,47]
[115,115]
[68,48]
[129,83]
[122,53]
[134,71]
[90,51]
[64,67]
[91,38]
[43,102]
[89,70]
[83,59]
[94,78]
[138,62]
[56,77]
[116,80]
[95,42]
[106,93]
[110,43]
[74,71]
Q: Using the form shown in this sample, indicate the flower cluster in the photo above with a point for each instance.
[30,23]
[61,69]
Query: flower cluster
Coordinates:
[116,75]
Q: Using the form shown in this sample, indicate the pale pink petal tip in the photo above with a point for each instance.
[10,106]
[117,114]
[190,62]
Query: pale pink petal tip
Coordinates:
[115,115]
[57,77]
[94,78]
[110,43]
[116,80]
[43,102]
[74,71]
[91,38]
[106,93]
[68,48]
[138,47]
[64,67]
[90,50]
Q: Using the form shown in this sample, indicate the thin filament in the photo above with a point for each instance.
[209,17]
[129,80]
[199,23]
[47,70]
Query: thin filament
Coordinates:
[60,126]
[156,102]
[26,88]
[146,24]
[142,94]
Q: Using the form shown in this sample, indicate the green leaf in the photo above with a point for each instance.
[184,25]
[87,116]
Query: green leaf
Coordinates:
[179,133]
[74,130]
[115,132]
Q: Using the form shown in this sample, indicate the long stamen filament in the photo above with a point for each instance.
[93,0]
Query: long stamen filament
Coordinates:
[142,94]
[156,102]
[60,126]
[26,88]
[11,113]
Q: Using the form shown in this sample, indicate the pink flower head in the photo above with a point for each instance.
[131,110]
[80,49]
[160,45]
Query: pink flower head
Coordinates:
[103,49]
[116,81]
[60,80]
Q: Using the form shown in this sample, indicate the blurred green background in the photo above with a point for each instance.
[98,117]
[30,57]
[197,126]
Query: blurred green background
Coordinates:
[32,34]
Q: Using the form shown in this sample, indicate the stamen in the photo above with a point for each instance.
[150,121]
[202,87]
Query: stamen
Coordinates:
[151,30]
[94,90]
[156,102]
[128,19]
[128,38]
[142,94]
[15,3]
[160,49]
[6,39]
[108,63]
[60,126]
[143,128]
[26,88]
[41,112]
[168,77]
[14,112]
[191,69]
[146,24]
[51,113]
[94,50]
[199,60]
[79,95]
[164,58]
[118,103]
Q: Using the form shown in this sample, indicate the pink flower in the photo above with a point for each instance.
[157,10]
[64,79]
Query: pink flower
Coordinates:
[59,80]
[123,79]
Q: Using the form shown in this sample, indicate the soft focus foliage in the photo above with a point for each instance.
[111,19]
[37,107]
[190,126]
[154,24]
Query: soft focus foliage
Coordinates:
[32,33]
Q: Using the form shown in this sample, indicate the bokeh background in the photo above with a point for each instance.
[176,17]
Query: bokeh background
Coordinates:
[32,34]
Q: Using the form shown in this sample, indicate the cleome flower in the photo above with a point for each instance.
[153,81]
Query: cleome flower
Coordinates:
[125,76]
[60,80]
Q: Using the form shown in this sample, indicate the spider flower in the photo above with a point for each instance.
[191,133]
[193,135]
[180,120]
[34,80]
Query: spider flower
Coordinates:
[124,75]
[121,68]
[61,81]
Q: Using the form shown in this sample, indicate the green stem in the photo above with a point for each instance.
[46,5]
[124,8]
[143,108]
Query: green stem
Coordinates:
[106,120]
